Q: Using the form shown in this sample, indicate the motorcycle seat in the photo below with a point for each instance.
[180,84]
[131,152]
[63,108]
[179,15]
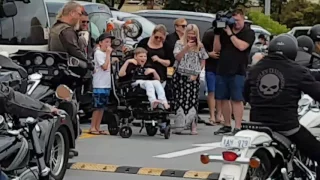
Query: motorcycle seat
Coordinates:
[267,128]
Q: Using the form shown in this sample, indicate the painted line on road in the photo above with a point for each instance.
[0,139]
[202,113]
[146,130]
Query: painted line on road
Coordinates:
[200,148]
[143,171]
[85,134]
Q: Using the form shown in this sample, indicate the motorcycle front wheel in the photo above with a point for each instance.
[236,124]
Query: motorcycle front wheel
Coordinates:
[263,171]
[58,154]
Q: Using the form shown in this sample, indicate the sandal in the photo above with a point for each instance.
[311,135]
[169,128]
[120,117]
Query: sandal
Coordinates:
[194,133]
[94,132]
[210,123]
[104,132]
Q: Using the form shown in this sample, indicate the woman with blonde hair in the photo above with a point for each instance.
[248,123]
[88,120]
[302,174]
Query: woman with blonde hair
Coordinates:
[190,58]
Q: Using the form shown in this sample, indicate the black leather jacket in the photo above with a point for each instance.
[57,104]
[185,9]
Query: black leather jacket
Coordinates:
[273,89]
[20,105]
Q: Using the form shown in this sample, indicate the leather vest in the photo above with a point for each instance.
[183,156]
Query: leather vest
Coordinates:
[55,43]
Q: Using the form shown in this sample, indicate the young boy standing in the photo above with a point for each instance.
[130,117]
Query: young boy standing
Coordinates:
[101,81]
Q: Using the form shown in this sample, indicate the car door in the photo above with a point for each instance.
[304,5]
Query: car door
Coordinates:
[167,21]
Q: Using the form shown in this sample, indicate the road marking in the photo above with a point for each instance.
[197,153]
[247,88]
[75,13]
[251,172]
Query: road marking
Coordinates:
[200,148]
[87,135]
[143,171]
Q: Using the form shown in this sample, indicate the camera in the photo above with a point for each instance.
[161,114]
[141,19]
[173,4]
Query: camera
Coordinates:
[223,19]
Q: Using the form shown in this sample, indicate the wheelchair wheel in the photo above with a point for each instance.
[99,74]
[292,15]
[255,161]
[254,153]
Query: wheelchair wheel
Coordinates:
[113,130]
[151,130]
[167,132]
[125,132]
[113,125]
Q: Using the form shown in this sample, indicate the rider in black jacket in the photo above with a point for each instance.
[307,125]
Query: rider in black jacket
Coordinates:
[273,89]
[21,105]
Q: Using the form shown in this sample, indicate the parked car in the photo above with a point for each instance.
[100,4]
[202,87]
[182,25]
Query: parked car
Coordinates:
[299,31]
[98,14]
[166,17]
[148,26]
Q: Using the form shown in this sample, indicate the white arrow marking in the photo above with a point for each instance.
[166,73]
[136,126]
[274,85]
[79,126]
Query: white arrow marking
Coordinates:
[200,148]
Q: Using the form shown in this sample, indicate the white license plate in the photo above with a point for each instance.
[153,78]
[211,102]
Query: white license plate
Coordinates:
[235,142]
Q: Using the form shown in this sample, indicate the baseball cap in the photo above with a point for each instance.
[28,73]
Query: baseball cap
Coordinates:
[104,36]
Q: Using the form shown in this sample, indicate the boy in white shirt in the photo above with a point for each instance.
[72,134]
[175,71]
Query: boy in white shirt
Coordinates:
[101,81]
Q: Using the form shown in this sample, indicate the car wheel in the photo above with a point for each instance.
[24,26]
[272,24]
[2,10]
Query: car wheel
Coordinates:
[58,154]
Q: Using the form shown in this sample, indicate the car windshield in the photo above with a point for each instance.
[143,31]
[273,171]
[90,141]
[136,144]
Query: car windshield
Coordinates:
[28,27]
[98,23]
[301,32]
[147,25]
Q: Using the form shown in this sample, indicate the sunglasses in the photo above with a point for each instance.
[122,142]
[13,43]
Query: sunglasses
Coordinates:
[85,22]
[158,37]
[183,26]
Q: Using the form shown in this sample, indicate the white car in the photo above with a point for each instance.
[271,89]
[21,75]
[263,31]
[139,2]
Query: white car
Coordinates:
[299,31]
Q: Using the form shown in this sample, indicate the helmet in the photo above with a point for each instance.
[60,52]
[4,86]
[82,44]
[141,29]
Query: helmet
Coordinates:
[314,33]
[305,43]
[284,44]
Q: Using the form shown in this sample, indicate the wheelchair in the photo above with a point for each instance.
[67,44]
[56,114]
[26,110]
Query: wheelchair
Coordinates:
[132,103]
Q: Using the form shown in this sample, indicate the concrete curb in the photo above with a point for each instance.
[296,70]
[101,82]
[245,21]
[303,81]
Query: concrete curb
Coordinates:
[143,171]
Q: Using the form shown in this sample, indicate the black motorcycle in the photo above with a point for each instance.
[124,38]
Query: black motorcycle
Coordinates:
[21,142]
[61,133]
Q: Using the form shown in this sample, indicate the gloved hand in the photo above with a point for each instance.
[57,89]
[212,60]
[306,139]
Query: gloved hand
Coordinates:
[90,66]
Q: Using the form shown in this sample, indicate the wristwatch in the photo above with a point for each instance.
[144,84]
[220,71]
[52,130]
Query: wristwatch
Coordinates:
[231,35]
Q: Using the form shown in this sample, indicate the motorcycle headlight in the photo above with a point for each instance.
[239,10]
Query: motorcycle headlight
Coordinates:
[49,61]
[304,102]
[38,60]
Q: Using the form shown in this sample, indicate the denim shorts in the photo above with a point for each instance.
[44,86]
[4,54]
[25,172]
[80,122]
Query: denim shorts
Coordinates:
[229,87]
[100,97]
[211,81]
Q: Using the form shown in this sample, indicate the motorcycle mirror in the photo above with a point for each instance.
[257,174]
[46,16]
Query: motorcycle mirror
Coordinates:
[63,92]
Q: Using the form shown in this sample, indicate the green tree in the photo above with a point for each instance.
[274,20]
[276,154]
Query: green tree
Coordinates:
[300,13]
[267,23]
[208,6]
[276,8]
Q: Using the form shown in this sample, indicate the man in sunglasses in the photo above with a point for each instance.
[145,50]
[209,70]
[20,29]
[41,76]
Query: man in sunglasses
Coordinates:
[86,45]
[84,35]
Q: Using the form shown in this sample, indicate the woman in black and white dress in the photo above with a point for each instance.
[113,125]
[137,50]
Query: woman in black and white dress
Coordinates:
[190,55]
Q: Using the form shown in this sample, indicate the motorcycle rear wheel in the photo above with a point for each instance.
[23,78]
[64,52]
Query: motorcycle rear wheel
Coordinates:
[58,154]
[263,171]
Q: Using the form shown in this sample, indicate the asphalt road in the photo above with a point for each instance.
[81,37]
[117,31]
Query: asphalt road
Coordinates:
[180,152]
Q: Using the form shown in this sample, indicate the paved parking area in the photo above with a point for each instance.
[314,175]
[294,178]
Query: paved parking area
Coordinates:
[180,152]
[154,155]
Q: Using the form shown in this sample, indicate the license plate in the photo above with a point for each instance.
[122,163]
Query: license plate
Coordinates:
[227,177]
[235,142]
[43,71]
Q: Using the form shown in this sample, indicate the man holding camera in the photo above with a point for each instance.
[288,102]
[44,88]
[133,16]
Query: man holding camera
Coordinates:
[234,43]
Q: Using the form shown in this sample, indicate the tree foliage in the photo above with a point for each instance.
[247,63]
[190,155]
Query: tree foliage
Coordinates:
[300,13]
[208,6]
[266,22]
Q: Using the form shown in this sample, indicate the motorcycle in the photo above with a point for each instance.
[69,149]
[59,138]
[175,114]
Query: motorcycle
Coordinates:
[257,152]
[21,142]
[309,112]
[38,86]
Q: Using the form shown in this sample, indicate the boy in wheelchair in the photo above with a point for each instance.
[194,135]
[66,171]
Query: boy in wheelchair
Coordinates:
[146,78]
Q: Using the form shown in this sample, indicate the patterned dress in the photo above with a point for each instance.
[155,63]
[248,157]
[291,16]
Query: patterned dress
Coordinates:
[186,92]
